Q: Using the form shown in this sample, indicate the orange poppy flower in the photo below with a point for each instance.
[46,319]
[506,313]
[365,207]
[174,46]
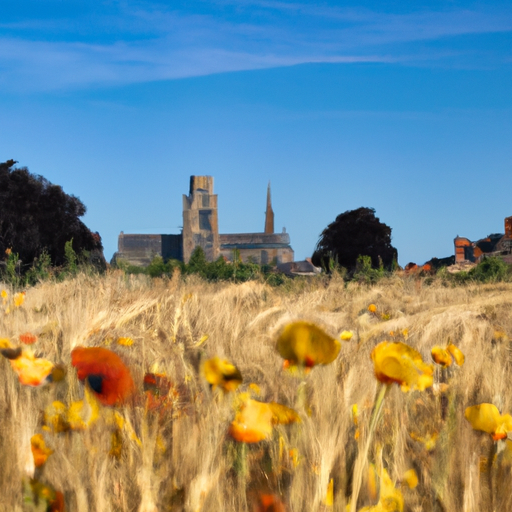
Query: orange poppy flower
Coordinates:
[32,370]
[397,362]
[28,338]
[269,503]
[487,418]
[106,374]
[255,420]
[39,449]
[305,344]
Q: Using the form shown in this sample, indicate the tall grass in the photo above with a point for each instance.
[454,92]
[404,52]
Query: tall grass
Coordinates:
[185,460]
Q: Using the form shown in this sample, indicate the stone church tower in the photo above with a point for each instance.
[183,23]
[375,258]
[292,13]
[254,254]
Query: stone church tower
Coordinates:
[200,219]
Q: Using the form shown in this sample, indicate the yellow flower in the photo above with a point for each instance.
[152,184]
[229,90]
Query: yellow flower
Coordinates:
[56,417]
[305,344]
[445,357]
[390,500]
[40,451]
[84,413]
[429,441]
[125,342]
[346,335]
[487,418]
[255,420]
[4,294]
[8,251]
[456,354]
[441,356]
[5,343]
[19,298]
[411,478]
[329,495]
[220,372]
[372,308]
[397,362]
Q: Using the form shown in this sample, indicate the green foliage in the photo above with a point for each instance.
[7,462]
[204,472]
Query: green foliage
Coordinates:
[490,270]
[354,233]
[197,263]
[11,270]
[40,270]
[276,279]
[70,258]
[157,267]
[366,273]
[37,216]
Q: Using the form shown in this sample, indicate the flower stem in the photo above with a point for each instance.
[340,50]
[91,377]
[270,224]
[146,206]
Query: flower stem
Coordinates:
[363,454]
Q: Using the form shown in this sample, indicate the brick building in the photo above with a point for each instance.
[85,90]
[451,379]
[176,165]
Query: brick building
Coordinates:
[493,245]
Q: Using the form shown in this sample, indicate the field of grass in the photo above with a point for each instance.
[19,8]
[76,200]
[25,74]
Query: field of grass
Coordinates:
[181,458]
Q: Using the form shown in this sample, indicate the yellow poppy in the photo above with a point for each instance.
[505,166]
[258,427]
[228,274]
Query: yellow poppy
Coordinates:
[56,417]
[429,441]
[487,418]
[441,356]
[411,479]
[3,294]
[5,343]
[372,308]
[397,362]
[125,342]
[32,370]
[19,298]
[346,335]
[456,353]
[305,344]
[329,495]
[390,498]
[220,372]
[40,451]
[255,420]
[84,413]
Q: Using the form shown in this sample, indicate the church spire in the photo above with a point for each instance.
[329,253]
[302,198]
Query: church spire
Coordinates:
[269,214]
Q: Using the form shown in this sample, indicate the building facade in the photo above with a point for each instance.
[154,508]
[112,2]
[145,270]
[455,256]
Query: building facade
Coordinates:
[493,245]
[200,228]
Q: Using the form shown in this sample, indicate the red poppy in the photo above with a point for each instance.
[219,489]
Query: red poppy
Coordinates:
[159,391]
[269,503]
[28,338]
[107,375]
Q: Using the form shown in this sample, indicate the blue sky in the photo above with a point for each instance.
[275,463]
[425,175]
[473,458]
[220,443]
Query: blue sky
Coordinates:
[400,106]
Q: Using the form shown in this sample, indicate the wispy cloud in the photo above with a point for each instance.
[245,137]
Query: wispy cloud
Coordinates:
[151,42]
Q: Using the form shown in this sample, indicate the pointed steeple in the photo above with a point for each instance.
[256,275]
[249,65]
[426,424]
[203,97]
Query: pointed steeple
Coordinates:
[269,214]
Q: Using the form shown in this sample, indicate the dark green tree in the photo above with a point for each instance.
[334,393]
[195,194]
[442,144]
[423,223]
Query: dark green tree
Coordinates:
[355,233]
[38,217]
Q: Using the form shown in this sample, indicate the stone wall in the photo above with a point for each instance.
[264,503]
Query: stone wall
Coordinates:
[261,248]
[141,249]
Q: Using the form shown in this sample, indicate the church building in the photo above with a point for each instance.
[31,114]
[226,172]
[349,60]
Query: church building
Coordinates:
[200,228]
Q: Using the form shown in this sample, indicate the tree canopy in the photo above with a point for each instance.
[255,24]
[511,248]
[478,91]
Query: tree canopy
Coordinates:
[355,233]
[37,216]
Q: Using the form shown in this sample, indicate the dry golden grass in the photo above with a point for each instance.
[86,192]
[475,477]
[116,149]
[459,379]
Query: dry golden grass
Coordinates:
[187,462]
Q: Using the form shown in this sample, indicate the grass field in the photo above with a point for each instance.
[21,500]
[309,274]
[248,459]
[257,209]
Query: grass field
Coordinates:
[181,458]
